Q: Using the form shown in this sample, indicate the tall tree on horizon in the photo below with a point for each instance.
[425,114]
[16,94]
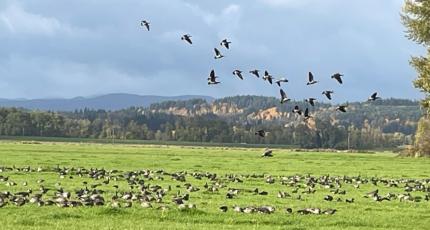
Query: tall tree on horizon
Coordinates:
[416,18]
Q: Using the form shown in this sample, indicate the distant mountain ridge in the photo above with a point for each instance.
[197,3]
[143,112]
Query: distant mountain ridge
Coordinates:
[106,102]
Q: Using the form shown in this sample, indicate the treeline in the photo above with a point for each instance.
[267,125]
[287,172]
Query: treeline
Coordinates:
[364,127]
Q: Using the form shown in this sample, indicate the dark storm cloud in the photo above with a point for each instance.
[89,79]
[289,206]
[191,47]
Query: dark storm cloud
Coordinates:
[52,48]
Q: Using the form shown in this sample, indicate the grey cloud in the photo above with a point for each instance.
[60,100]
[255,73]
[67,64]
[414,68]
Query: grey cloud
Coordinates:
[53,48]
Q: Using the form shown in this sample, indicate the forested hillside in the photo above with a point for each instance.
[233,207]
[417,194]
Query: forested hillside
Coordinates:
[386,123]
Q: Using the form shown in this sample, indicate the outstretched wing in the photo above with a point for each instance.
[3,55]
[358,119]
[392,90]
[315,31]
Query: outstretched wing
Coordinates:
[212,75]
[283,94]
[307,112]
[217,53]
[311,77]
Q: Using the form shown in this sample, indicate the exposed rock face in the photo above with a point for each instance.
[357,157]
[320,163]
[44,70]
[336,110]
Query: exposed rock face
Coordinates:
[267,114]
[221,109]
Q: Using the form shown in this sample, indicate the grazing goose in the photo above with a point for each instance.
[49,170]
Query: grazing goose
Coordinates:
[187,38]
[237,208]
[329,211]
[268,77]
[297,110]
[289,210]
[270,179]
[311,101]
[283,194]
[349,200]
[266,209]
[328,94]
[342,108]
[328,198]
[311,79]
[338,77]
[145,24]
[223,208]
[238,73]
[372,193]
[225,43]
[261,133]
[281,80]
[212,78]
[373,97]
[284,97]
[255,72]
[267,153]
[218,54]
[249,210]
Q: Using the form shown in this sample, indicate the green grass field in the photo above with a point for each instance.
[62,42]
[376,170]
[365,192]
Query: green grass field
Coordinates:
[364,213]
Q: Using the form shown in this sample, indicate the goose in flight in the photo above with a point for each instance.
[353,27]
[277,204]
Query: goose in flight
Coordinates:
[255,72]
[281,80]
[261,133]
[328,94]
[187,38]
[284,97]
[225,43]
[218,54]
[238,73]
[338,77]
[307,115]
[268,77]
[311,79]
[145,24]
[311,101]
[212,78]
[297,110]
[342,108]
[373,97]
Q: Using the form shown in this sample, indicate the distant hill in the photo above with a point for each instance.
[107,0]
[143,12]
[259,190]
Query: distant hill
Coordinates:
[387,123]
[106,102]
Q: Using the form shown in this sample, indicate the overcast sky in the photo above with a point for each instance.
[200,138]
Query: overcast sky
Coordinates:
[59,48]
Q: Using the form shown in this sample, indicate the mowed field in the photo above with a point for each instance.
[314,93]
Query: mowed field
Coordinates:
[241,163]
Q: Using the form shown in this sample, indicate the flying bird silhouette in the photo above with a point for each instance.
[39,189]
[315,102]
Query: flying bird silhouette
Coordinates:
[281,80]
[338,77]
[212,78]
[261,133]
[218,54]
[328,94]
[238,73]
[187,38]
[225,43]
[255,72]
[342,108]
[284,97]
[311,101]
[145,24]
[297,110]
[373,97]
[268,77]
[311,79]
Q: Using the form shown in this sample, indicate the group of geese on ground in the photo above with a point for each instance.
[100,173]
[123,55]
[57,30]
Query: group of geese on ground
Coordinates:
[140,187]
[212,79]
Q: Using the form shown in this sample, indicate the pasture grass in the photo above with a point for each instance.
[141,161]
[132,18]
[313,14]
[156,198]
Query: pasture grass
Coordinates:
[364,213]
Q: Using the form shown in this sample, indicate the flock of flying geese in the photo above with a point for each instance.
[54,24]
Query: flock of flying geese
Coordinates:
[159,189]
[213,79]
